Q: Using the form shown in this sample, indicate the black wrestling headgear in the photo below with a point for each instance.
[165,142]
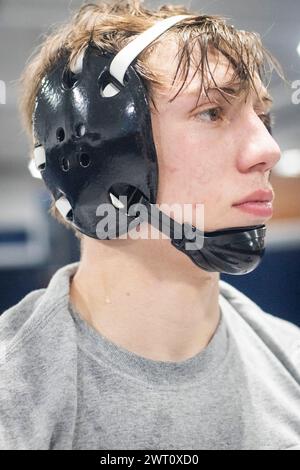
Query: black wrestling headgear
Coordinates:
[95,146]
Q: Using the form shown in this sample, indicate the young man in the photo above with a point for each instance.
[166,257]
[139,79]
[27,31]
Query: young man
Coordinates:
[136,346]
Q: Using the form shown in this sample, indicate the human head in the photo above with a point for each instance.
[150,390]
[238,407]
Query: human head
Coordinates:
[194,44]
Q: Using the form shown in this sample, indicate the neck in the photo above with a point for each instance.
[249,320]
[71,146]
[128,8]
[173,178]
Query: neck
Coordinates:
[147,297]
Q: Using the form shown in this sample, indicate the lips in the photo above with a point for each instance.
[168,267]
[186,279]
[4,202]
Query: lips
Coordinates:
[258,203]
[261,195]
[259,209]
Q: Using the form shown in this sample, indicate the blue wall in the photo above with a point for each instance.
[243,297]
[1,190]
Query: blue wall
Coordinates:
[275,284]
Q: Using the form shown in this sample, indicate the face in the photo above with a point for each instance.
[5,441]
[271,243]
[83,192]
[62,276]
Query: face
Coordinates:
[215,153]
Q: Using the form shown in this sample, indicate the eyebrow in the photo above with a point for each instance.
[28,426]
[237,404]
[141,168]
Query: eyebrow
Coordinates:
[266,98]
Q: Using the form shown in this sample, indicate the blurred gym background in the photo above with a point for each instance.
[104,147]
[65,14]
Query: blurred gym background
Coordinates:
[33,245]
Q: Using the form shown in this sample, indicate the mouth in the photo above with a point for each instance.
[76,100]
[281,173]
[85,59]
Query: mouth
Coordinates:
[260,195]
[257,208]
[259,203]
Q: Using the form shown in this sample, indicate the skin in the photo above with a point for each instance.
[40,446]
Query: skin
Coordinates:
[144,295]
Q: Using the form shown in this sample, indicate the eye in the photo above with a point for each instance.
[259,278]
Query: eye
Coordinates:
[268,120]
[210,115]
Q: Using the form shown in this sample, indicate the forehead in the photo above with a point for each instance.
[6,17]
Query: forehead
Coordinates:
[164,62]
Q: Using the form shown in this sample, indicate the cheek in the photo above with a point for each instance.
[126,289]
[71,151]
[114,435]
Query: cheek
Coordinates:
[203,164]
[191,167]
[188,175]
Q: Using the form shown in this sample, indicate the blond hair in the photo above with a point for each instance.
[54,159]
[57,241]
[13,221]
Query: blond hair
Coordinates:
[111,25]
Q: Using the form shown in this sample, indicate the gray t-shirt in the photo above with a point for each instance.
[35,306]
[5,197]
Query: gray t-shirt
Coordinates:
[65,386]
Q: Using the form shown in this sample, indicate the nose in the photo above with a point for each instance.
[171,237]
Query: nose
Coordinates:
[258,149]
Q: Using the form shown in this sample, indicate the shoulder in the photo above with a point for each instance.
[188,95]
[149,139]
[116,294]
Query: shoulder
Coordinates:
[38,313]
[279,335]
[37,319]
[15,318]
[30,328]
[37,365]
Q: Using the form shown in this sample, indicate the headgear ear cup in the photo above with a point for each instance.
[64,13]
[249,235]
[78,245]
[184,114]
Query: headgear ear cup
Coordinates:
[93,127]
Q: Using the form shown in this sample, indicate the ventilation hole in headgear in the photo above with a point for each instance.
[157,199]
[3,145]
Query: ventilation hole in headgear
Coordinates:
[80,130]
[60,134]
[42,167]
[108,85]
[69,216]
[84,160]
[65,164]
[69,79]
